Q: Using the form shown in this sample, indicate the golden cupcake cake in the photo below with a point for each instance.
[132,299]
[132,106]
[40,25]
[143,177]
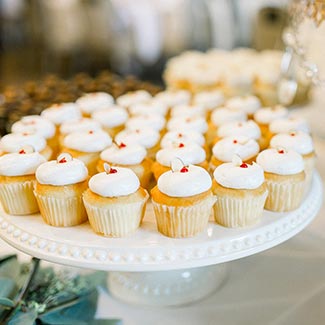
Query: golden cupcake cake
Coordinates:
[58,191]
[284,177]
[17,180]
[241,193]
[115,202]
[183,200]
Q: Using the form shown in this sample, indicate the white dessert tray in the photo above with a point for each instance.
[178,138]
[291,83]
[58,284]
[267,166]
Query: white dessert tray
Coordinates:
[147,249]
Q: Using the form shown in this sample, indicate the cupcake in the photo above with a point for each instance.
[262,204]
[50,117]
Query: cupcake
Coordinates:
[39,125]
[172,98]
[225,149]
[13,142]
[133,97]
[285,178]
[129,156]
[151,107]
[79,125]
[182,200]
[17,175]
[59,113]
[186,137]
[155,122]
[87,146]
[248,104]
[184,123]
[285,125]
[302,143]
[209,100]
[189,154]
[91,102]
[115,202]
[241,193]
[58,191]
[146,137]
[187,110]
[112,119]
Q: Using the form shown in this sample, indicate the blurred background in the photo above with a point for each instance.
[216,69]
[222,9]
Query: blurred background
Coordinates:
[126,36]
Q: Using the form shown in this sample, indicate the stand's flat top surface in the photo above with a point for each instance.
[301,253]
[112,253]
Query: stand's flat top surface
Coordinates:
[148,250]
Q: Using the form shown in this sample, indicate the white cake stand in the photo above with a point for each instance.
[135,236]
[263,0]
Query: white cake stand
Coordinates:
[179,276]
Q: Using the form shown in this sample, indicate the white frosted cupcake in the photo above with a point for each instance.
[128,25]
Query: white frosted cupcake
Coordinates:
[115,202]
[172,98]
[285,178]
[209,99]
[13,142]
[59,187]
[187,111]
[151,107]
[129,156]
[17,180]
[248,104]
[285,125]
[189,154]
[183,201]
[302,143]
[87,146]
[59,113]
[241,193]
[186,137]
[192,123]
[146,137]
[91,102]
[225,149]
[155,122]
[133,97]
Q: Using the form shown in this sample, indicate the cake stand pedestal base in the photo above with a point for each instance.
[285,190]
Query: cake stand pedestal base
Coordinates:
[166,288]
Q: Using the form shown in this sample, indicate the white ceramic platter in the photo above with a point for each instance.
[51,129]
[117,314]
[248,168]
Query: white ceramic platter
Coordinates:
[148,250]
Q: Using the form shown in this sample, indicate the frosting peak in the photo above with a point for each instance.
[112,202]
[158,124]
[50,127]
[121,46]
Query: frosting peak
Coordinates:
[91,102]
[59,113]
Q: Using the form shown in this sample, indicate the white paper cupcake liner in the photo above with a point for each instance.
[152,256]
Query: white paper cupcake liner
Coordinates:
[183,221]
[237,212]
[65,212]
[284,196]
[116,220]
[18,198]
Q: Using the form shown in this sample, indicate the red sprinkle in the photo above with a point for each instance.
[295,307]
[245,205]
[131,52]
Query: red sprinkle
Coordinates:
[235,141]
[184,170]
[137,131]
[63,160]
[181,145]
[292,134]
[112,171]
[240,124]
[25,134]
[91,132]
[22,151]
[281,151]
[243,165]
[188,120]
[122,145]
[180,135]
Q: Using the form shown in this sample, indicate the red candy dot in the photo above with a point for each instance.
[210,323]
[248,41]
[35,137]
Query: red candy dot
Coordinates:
[240,124]
[122,145]
[188,120]
[292,134]
[184,170]
[112,171]
[22,151]
[137,131]
[281,151]
[63,160]
[91,132]
[25,134]
[180,135]
[235,141]
[243,165]
[181,145]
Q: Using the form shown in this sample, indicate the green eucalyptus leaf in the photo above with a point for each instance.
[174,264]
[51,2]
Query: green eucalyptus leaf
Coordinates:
[106,322]
[5,302]
[6,258]
[9,268]
[7,287]
[23,318]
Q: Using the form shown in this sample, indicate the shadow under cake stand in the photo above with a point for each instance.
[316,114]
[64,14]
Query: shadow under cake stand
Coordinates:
[149,268]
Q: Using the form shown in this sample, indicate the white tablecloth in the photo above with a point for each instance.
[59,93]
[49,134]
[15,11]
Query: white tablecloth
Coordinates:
[282,286]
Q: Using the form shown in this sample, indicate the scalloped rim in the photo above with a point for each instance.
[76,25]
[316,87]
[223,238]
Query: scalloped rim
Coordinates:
[161,258]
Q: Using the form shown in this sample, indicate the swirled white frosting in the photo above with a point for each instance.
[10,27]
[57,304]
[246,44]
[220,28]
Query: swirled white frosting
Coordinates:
[151,107]
[241,146]
[82,124]
[146,137]
[88,141]
[299,141]
[16,164]
[13,142]
[231,175]
[134,97]
[224,115]
[266,115]
[248,104]
[285,125]
[188,153]
[187,137]
[247,128]
[173,98]
[91,102]
[121,183]
[187,110]
[111,117]
[34,124]
[183,123]
[59,113]
[185,184]
[59,174]
[124,154]
[156,122]
[286,163]
[209,99]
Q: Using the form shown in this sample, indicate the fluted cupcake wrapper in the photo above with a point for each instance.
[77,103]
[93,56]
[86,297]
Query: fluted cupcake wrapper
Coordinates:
[183,221]
[237,212]
[65,212]
[18,198]
[116,220]
[284,196]
[309,170]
